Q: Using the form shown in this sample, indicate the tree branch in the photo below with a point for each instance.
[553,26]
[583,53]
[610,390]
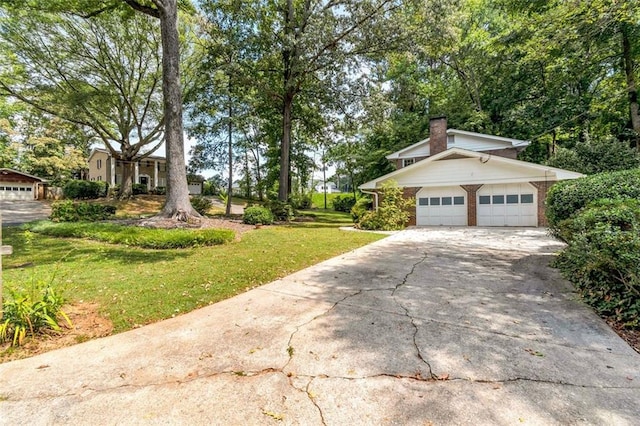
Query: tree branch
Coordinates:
[142,8]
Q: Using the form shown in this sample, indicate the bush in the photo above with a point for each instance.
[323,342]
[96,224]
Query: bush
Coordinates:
[602,258]
[363,205]
[566,198]
[201,204]
[257,215]
[139,189]
[300,201]
[85,190]
[31,312]
[344,203]
[68,211]
[393,212]
[281,211]
[136,236]
[159,190]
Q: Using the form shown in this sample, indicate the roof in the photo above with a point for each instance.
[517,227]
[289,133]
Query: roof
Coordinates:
[465,176]
[5,171]
[482,137]
[106,151]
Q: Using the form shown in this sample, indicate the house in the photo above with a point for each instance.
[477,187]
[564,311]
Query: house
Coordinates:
[330,187]
[15,185]
[469,179]
[150,171]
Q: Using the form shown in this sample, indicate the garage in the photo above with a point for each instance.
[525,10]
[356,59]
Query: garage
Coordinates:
[18,186]
[443,206]
[512,204]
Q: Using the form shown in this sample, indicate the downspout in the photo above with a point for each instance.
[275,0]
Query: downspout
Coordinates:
[375,196]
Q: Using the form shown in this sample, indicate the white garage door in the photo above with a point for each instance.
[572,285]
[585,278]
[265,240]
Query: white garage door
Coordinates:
[16,191]
[507,205]
[441,206]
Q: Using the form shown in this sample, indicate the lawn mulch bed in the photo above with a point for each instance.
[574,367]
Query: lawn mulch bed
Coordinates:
[204,223]
[632,337]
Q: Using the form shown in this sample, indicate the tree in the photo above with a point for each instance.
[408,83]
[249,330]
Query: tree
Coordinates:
[101,74]
[178,205]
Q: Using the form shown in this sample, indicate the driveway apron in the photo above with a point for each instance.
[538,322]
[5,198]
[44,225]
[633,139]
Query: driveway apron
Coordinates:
[428,326]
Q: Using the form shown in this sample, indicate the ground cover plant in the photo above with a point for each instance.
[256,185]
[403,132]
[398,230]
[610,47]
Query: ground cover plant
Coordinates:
[135,286]
[134,235]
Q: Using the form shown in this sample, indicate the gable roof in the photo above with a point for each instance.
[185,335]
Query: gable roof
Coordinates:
[461,139]
[5,171]
[467,171]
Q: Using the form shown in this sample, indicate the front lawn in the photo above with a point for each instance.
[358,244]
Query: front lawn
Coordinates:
[135,286]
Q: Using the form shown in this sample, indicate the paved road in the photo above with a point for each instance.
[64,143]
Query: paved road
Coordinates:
[428,326]
[17,212]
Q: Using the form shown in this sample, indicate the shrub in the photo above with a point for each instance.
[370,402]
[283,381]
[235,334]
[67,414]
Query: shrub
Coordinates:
[393,212]
[136,236]
[602,258]
[31,311]
[363,205]
[255,215]
[344,203]
[68,211]
[139,189]
[281,211]
[300,201]
[84,189]
[159,190]
[566,198]
[201,204]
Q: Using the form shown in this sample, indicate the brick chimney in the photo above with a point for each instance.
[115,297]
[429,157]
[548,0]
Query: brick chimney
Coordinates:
[437,135]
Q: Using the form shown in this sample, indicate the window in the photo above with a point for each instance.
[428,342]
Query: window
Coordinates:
[29,189]
[15,188]
[485,199]
[99,164]
[23,189]
[526,198]
[447,201]
[423,201]
[1,188]
[434,201]
[99,177]
[458,201]
[512,199]
[408,161]
[498,199]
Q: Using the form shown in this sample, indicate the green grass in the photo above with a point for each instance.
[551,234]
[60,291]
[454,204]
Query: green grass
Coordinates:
[317,200]
[133,235]
[136,286]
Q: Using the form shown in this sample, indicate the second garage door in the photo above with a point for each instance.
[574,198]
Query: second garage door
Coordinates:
[507,205]
[441,206]
[16,191]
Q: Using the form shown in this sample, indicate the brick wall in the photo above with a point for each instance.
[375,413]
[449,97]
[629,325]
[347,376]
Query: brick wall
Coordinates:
[409,193]
[437,135]
[543,188]
[472,208]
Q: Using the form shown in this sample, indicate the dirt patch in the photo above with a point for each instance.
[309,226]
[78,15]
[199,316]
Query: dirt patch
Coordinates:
[86,322]
[204,223]
[632,337]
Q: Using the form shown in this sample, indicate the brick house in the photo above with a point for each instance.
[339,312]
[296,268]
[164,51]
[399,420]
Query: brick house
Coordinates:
[463,178]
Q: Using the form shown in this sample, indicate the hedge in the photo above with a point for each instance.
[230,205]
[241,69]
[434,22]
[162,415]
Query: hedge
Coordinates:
[84,189]
[566,198]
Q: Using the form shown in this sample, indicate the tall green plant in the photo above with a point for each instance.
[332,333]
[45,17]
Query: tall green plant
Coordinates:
[393,212]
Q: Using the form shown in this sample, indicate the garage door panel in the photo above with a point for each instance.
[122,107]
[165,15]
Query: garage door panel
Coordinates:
[507,205]
[441,206]
[16,191]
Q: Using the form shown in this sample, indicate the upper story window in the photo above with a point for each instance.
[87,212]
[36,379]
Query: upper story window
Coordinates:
[408,161]
[99,164]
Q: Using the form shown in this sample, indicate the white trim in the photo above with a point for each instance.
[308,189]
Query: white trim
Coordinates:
[545,173]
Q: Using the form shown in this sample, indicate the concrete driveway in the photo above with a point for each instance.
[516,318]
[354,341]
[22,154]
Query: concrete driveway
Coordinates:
[428,326]
[17,212]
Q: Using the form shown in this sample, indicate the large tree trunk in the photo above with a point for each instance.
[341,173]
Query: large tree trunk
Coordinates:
[285,149]
[178,205]
[632,90]
[230,154]
[126,186]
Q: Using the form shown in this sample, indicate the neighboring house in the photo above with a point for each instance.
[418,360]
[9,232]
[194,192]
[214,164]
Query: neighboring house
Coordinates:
[15,185]
[470,179]
[150,171]
[330,187]
[195,184]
